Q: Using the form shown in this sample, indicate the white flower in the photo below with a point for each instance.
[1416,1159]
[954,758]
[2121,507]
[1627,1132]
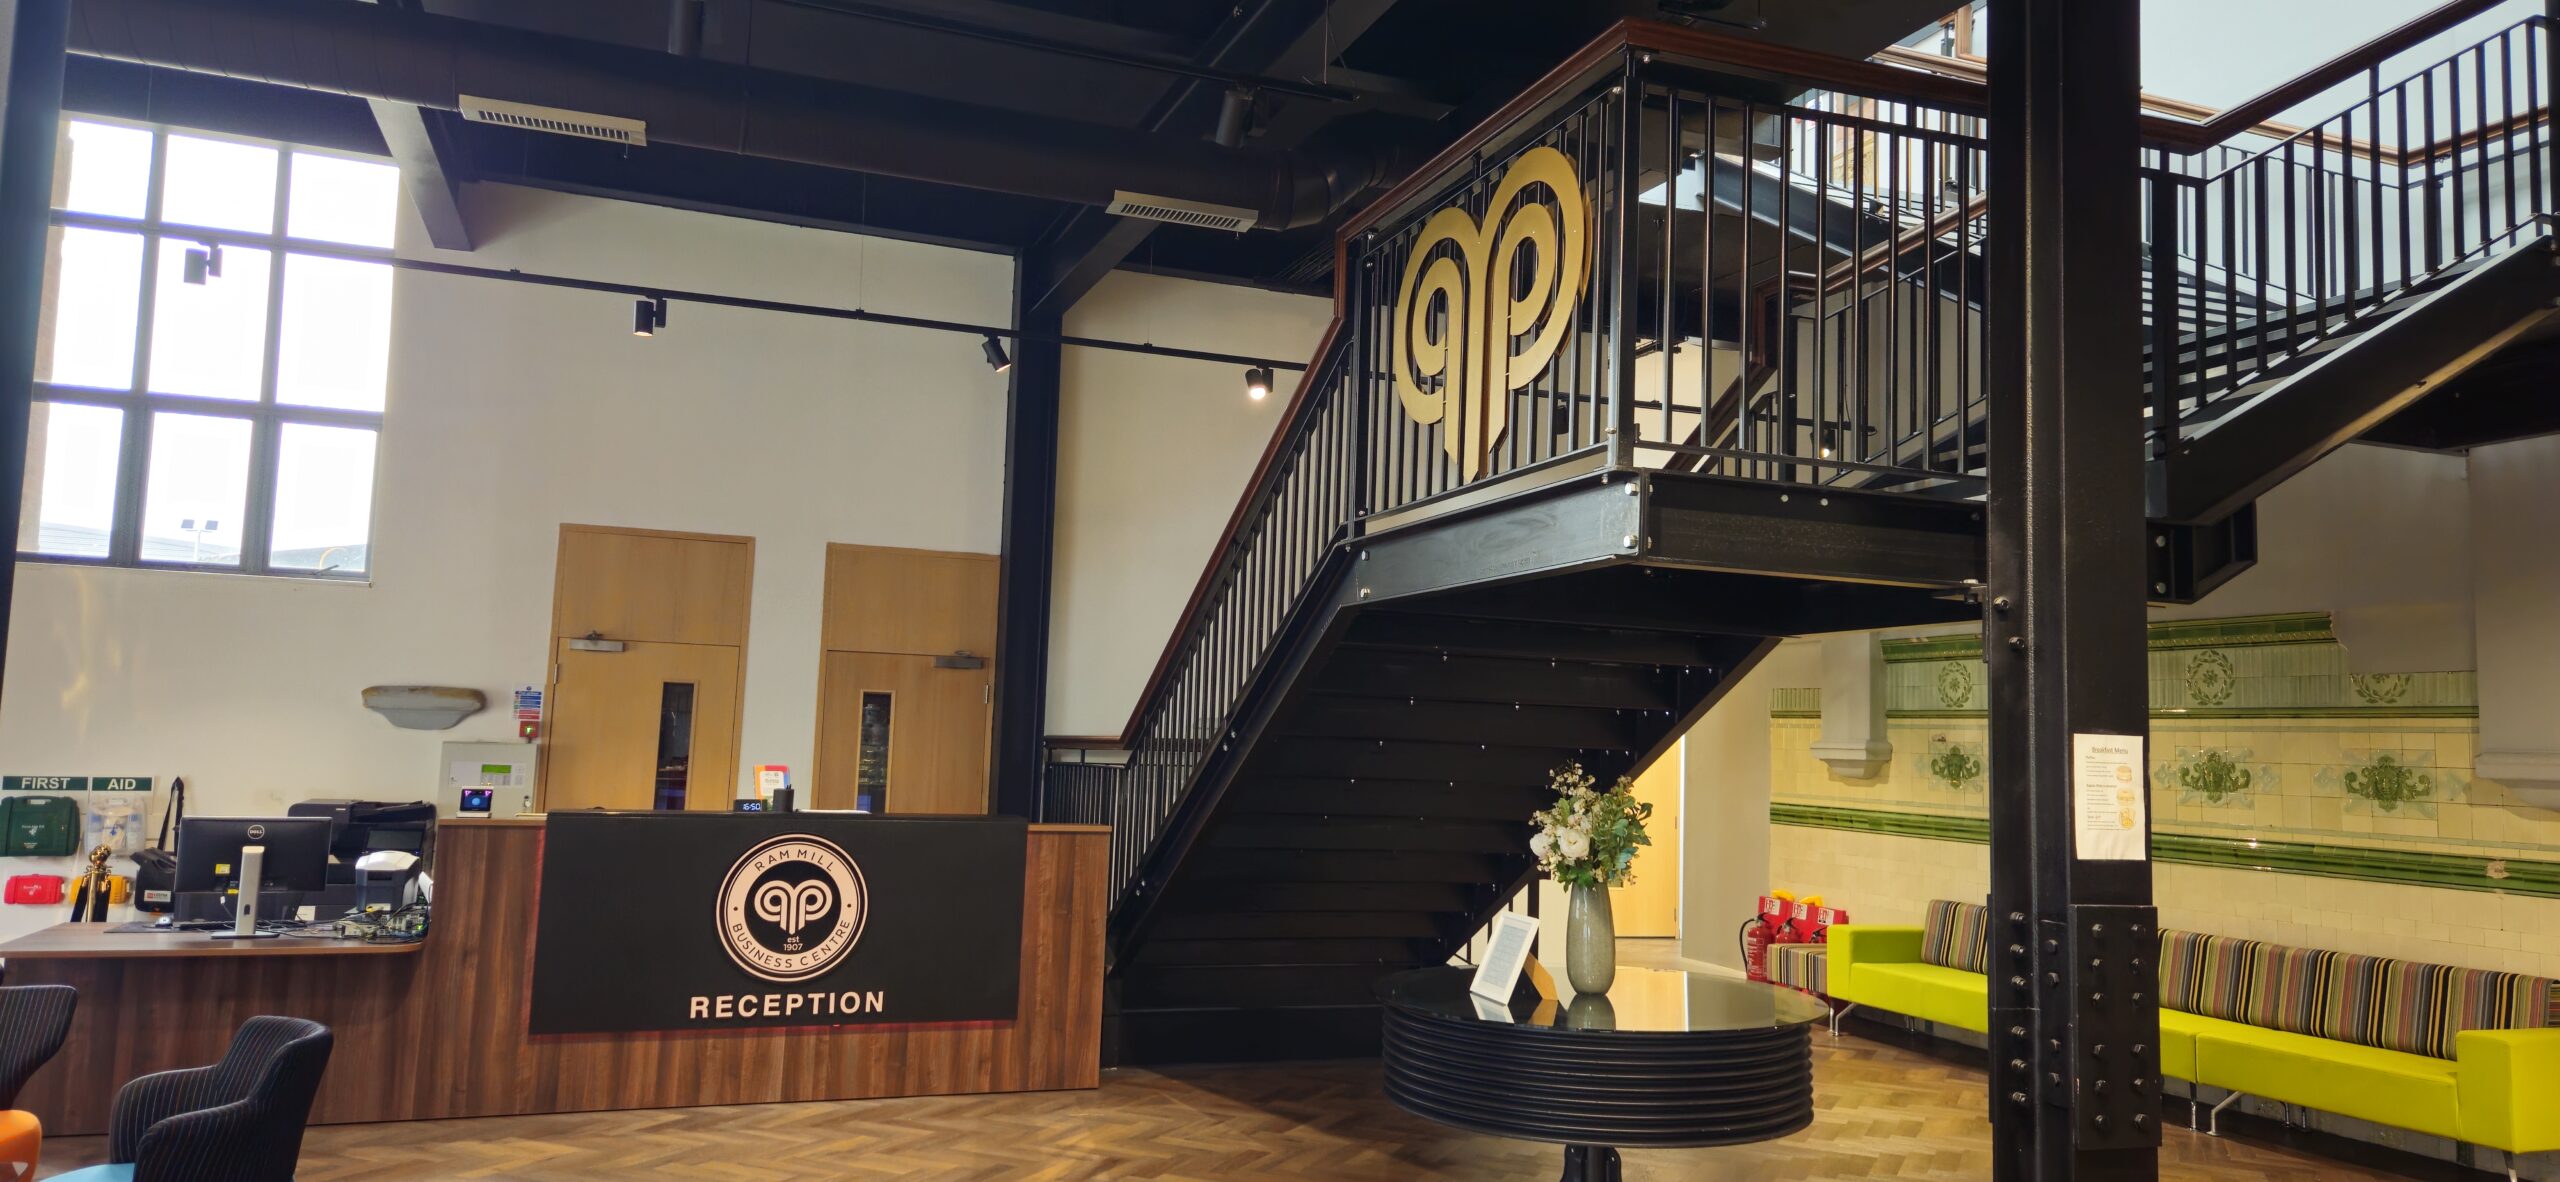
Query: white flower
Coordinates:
[1573,843]
[1541,845]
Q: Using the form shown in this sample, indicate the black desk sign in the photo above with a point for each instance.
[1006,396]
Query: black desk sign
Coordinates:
[709,921]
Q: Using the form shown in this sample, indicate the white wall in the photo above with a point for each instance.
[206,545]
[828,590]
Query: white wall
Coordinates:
[2219,53]
[2517,567]
[1153,455]
[2378,537]
[515,408]
[1724,805]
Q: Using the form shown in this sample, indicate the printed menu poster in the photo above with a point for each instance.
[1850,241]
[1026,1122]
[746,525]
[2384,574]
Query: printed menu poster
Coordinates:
[2107,799]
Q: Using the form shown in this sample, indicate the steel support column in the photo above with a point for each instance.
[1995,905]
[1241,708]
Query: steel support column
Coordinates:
[28,126]
[2074,1011]
[1030,532]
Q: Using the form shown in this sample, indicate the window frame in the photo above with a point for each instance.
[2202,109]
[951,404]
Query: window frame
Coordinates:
[266,417]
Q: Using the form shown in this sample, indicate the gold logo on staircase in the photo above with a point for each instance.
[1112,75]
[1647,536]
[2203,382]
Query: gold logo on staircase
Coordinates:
[1477,321]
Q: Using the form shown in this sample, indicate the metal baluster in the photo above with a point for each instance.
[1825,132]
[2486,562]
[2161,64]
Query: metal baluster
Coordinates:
[2427,139]
[1967,320]
[2506,128]
[1783,317]
[2164,302]
[2480,129]
[1900,368]
[1931,196]
[1665,331]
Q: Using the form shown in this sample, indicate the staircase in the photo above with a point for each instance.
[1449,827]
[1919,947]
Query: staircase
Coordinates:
[1678,355]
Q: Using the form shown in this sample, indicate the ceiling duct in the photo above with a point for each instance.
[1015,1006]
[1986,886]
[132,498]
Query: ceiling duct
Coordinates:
[378,51]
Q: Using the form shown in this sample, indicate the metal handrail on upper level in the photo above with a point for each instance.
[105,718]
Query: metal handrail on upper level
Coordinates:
[1688,249]
[2276,250]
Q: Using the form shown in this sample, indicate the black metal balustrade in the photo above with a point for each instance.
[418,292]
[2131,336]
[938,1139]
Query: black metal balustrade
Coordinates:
[1706,267]
[2273,250]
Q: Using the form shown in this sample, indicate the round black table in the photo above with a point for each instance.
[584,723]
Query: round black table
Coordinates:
[1665,1058]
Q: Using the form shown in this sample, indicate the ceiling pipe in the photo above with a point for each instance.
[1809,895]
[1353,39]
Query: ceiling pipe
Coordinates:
[684,28]
[379,52]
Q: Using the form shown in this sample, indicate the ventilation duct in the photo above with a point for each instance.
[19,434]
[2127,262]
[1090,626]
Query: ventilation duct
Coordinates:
[377,51]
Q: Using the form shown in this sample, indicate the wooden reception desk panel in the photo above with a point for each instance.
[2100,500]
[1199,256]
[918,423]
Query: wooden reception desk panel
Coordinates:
[441,1032]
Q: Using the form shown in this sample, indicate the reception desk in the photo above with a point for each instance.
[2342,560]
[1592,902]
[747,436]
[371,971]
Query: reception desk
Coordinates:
[438,1029]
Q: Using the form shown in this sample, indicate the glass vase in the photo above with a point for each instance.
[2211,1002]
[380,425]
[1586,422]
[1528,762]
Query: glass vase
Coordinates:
[1590,941]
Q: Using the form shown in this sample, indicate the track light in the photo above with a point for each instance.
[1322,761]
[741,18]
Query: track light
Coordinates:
[1257,383]
[994,349]
[647,317]
[201,262]
[1830,441]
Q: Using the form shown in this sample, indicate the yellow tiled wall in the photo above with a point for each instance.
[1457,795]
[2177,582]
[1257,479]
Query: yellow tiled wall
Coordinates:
[2258,732]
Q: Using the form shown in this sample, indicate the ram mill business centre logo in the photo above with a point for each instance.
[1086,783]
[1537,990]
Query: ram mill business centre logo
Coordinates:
[791,907]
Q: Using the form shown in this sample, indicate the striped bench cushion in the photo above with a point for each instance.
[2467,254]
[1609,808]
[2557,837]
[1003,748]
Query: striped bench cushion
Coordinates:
[1956,936]
[2374,1001]
[2208,976]
[1801,966]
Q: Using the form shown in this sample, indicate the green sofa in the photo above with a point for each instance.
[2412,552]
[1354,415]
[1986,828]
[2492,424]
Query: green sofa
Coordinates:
[2466,1054]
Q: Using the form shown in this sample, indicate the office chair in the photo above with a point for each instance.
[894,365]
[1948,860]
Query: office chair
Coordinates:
[239,1120]
[34,1019]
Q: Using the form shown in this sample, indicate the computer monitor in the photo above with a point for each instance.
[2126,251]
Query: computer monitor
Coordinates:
[291,854]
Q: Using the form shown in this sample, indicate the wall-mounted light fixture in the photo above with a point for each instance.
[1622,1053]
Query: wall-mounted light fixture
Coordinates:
[648,316]
[997,360]
[1257,383]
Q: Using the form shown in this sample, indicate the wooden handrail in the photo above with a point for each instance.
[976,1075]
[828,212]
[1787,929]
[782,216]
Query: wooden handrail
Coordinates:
[2338,69]
[1750,57]
[1272,454]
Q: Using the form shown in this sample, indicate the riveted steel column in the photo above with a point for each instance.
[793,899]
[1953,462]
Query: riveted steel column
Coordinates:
[27,130]
[2074,1012]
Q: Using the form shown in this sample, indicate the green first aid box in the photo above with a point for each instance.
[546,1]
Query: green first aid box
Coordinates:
[39,827]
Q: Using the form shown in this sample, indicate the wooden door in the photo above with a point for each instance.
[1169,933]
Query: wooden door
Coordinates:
[933,602]
[654,726]
[1650,906]
[904,686]
[902,735]
[676,604]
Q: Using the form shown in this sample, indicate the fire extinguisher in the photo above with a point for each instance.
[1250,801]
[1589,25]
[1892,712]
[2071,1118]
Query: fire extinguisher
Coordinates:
[1761,930]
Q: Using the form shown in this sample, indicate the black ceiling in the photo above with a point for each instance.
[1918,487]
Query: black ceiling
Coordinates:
[1424,69]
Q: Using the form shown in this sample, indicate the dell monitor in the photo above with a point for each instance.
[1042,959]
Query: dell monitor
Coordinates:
[249,855]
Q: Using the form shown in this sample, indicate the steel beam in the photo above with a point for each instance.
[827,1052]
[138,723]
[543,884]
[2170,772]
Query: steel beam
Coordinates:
[1028,555]
[420,143]
[415,138]
[2074,1022]
[28,125]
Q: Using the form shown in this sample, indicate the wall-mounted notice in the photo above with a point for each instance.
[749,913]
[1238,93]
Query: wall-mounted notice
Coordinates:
[2110,816]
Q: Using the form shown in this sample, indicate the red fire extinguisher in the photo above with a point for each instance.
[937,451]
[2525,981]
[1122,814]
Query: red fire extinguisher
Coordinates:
[1762,930]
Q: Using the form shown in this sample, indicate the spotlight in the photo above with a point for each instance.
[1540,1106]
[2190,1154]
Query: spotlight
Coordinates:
[198,265]
[994,349]
[1257,383]
[1830,441]
[647,317]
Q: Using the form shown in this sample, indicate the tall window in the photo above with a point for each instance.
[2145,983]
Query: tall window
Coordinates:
[209,396]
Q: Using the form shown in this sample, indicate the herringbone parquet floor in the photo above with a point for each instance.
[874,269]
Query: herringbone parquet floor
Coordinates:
[1885,1112]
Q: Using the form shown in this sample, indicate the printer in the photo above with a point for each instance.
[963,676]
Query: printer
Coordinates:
[358,828]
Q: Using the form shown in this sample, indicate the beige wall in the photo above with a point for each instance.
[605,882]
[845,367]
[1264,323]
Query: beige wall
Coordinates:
[1153,455]
[1725,852]
[512,409]
[1885,878]
[2378,537]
